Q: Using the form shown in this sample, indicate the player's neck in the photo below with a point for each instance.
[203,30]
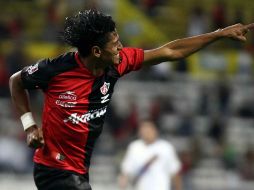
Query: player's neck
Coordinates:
[149,142]
[92,65]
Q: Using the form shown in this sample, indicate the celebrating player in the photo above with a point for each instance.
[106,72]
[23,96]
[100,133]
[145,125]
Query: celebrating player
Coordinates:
[78,87]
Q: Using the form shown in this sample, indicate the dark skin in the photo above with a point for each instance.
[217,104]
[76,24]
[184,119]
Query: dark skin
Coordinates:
[100,58]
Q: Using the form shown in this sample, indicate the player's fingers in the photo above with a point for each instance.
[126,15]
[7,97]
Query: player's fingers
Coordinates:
[249,26]
[31,138]
[242,38]
[35,144]
[34,140]
[31,144]
[34,137]
[41,139]
[40,130]
[40,133]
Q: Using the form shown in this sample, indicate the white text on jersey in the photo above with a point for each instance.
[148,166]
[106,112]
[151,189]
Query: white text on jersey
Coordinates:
[75,118]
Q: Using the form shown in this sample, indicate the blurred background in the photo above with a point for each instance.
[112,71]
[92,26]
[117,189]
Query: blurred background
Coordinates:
[203,105]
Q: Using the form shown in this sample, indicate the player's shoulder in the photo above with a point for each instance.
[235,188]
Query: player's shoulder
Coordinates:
[130,50]
[58,64]
[66,58]
[136,143]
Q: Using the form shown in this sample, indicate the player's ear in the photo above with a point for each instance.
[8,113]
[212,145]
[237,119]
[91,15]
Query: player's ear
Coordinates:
[96,51]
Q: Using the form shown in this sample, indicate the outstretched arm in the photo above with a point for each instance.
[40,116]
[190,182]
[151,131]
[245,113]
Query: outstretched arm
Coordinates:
[182,48]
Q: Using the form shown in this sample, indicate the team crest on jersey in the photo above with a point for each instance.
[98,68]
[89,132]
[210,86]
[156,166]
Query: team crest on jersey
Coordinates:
[105,87]
[32,68]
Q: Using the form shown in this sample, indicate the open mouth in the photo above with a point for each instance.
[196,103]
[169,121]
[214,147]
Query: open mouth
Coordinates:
[118,58]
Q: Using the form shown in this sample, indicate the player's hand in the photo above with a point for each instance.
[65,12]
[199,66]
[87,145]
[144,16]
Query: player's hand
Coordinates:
[237,31]
[123,181]
[34,137]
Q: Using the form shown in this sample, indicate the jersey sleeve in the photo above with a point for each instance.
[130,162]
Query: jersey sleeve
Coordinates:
[40,74]
[132,59]
[37,75]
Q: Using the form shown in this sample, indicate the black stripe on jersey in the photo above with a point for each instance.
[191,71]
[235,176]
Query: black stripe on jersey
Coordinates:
[94,98]
[112,72]
[96,125]
[91,139]
[39,74]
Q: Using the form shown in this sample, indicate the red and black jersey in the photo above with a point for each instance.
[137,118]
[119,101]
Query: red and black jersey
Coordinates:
[75,103]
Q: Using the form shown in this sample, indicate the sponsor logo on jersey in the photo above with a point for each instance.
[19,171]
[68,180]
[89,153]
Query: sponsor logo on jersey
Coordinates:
[68,95]
[75,118]
[105,87]
[66,104]
[33,68]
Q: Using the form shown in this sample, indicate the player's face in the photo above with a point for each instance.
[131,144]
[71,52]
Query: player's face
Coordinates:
[110,53]
[148,132]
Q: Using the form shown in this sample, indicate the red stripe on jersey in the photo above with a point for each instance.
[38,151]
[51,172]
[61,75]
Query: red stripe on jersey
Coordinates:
[65,140]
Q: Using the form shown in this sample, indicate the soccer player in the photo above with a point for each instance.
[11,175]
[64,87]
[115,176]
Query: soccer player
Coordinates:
[150,162]
[78,86]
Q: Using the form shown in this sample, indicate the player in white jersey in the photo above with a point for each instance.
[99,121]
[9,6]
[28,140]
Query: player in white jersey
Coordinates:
[150,162]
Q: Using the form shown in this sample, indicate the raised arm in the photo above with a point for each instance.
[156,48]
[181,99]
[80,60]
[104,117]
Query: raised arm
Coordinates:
[182,48]
[20,99]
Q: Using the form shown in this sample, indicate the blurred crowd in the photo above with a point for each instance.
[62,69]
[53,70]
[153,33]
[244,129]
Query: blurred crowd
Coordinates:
[207,114]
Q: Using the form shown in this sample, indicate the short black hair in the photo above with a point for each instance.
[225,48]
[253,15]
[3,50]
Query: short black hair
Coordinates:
[86,29]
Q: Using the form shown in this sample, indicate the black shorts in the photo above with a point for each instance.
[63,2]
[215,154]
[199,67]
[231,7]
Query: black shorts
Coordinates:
[47,178]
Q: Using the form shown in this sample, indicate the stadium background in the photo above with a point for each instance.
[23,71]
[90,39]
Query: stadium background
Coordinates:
[204,104]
